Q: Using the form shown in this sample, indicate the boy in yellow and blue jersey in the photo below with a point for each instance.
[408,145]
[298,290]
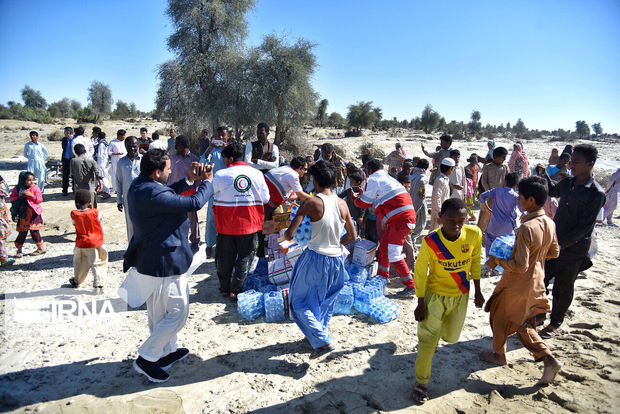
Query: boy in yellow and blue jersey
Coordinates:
[449,259]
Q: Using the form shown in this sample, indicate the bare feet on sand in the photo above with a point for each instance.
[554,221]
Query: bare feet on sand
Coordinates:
[552,367]
[493,358]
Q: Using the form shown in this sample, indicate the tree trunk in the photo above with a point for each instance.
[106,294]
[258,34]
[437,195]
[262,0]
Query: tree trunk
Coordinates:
[279,128]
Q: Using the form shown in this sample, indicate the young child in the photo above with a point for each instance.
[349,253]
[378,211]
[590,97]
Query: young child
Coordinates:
[493,174]
[26,210]
[504,213]
[520,294]
[319,272]
[89,252]
[471,172]
[408,246]
[5,226]
[441,190]
[449,258]
[418,193]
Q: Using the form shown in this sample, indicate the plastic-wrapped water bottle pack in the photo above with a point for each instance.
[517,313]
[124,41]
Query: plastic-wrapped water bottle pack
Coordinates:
[250,305]
[344,301]
[502,248]
[363,297]
[379,281]
[383,309]
[357,274]
[274,306]
[304,231]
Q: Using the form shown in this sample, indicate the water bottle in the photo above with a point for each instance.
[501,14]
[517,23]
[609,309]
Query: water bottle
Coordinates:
[344,301]
[383,309]
[357,274]
[250,305]
[274,306]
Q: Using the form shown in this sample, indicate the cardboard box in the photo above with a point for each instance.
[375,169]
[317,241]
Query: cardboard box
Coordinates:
[280,271]
[364,252]
[293,253]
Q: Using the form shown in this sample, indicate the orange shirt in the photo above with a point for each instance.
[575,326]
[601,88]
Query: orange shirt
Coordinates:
[88,231]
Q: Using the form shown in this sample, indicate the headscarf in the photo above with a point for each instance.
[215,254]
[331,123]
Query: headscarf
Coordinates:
[19,207]
[490,152]
[518,153]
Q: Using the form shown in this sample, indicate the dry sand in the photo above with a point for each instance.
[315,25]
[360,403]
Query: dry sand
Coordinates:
[239,366]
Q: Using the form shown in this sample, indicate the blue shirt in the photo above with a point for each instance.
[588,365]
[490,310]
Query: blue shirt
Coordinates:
[67,153]
[215,158]
[504,215]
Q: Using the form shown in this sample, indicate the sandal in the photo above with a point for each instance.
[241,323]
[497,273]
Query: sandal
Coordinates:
[73,283]
[19,255]
[550,331]
[322,351]
[420,393]
[38,252]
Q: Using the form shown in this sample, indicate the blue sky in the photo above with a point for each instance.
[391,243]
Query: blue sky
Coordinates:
[550,63]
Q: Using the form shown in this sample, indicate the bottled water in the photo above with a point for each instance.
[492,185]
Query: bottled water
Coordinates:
[250,305]
[344,301]
[304,231]
[363,297]
[502,246]
[357,274]
[267,288]
[274,307]
[379,281]
[383,309]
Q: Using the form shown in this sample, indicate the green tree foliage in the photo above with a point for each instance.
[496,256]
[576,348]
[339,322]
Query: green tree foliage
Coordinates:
[321,113]
[582,129]
[598,129]
[86,114]
[33,99]
[61,109]
[100,98]
[335,120]
[475,125]
[18,111]
[429,120]
[378,115]
[124,110]
[519,129]
[197,86]
[284,71]
[361,115]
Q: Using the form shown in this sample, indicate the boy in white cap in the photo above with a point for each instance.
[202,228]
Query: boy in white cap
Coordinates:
[441,190]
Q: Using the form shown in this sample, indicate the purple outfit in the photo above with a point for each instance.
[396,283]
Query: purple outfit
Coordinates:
[504,214]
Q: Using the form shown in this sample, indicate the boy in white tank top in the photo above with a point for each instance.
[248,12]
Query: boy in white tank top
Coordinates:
[319,273]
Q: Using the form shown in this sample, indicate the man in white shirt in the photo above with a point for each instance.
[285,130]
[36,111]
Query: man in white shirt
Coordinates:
[116,150]
[81,139]
[441,190]
[458,180]
[261,154]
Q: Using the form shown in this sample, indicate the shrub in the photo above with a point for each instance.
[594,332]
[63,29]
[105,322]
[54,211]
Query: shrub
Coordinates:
[56,135]
[17,111]
[370,148]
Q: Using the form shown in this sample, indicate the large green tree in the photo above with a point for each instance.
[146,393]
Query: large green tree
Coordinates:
[475,125]
[207,40]
[284,71]
[100,98]
[33,99]
[429,120]
[582,129]
[597,128]
[361,115]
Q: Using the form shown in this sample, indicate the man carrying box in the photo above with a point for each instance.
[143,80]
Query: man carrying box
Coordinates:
[395,211]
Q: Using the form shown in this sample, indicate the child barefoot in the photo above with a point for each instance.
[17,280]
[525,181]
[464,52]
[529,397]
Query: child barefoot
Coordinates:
[89,252]
[520,294]
[5,227]
[26,210]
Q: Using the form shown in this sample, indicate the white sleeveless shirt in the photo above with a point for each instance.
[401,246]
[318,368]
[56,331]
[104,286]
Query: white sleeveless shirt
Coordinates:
[325,238]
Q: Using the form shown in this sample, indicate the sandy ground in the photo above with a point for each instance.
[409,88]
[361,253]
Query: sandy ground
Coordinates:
[238,366]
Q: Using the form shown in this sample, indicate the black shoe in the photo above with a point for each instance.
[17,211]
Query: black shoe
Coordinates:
[167,361]
[209,252]
[194,247]
[406,292]
[151,370]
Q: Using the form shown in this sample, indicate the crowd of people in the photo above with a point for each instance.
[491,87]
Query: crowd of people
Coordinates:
[552,209]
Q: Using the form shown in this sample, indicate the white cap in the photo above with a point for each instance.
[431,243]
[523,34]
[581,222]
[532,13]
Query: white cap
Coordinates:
[448,161]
